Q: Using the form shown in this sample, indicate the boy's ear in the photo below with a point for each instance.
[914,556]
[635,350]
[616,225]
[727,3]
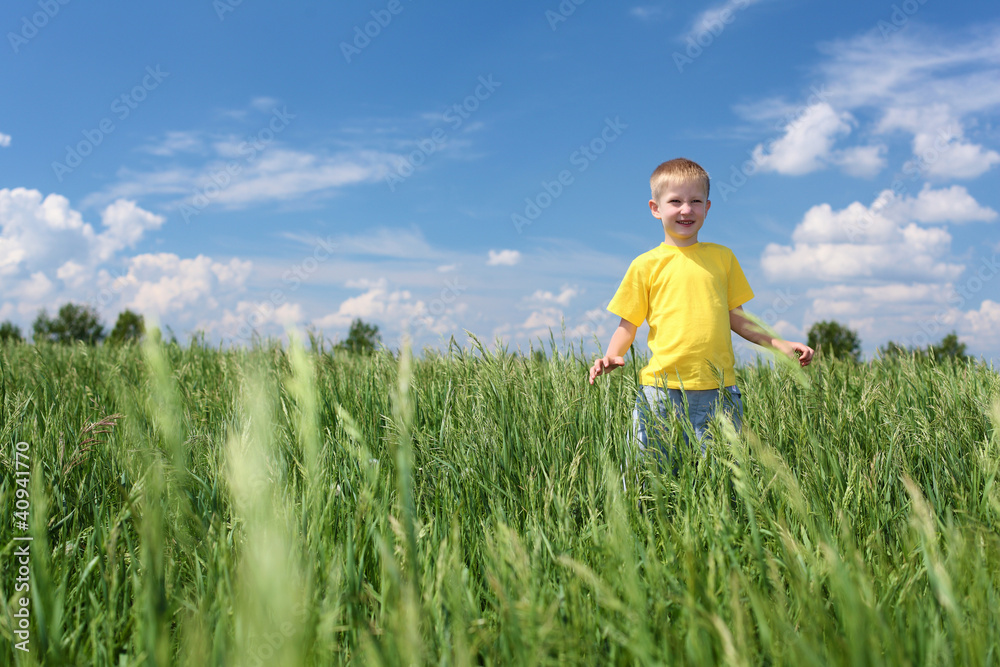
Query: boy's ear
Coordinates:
[708,205]
[654,208]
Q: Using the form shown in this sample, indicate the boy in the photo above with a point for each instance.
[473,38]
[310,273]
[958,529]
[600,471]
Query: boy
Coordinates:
[691,294]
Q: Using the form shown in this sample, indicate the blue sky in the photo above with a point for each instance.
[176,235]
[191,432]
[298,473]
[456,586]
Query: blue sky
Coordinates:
[447,167]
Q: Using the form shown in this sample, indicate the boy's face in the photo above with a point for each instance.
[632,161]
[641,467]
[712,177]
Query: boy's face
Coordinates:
[682,207]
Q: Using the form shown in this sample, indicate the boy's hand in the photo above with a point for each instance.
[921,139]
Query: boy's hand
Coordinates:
[605,365]
[804,352]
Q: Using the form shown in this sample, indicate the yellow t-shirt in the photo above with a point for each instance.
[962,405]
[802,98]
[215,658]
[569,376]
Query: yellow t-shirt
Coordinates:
[685,294]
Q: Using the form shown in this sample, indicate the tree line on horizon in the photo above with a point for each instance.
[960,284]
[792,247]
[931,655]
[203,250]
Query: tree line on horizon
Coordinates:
[833,339]
[81,323]
[75,323]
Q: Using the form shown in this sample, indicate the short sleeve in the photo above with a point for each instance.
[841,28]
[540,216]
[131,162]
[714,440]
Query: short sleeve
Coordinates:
[631,301]
[738,290]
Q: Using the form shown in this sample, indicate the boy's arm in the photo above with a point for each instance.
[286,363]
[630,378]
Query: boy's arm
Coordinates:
[614,358]
[747,329]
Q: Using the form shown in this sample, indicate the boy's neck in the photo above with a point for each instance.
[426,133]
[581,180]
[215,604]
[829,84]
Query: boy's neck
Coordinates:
[684,243]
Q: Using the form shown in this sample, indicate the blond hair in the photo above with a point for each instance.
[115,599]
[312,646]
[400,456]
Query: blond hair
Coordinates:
[678,169]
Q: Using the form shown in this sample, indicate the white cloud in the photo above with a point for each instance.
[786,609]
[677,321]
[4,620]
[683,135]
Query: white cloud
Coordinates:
[940,148]
[164,284]
[238,169]
[365,283]
[789,331]
[911,314]
[73,274]
[984,324]
[915,119]
[951,156]
[377,303]
[395,243]
[175,142]
[39,233]
[861,161]
[250,317]
[46,236]
[953,204]
[4,140]
[907,313]
[859,243]
[924,74]
[833,262]
[50,253]
[125,224]
[466,297]
[646,12]
[540,321]
[282,174]
[595,322]
[399,308]
[36,288]
[933,85]
[714,19]
[563,298]
[893,299]
[264,103]
[807,144]
[503,257]
[268,174]
[887,275]
[930,84]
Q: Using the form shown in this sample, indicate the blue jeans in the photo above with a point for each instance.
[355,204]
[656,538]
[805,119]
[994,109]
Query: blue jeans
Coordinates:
[650,424]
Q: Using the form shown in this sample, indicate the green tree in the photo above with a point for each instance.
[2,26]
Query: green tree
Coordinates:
[830,338]
[73,323]
[10,332]
[362,338]
[892,350]
[129,327]
[948,348]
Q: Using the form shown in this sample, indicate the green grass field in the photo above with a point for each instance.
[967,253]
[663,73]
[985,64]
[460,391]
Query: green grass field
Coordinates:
[284,507]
